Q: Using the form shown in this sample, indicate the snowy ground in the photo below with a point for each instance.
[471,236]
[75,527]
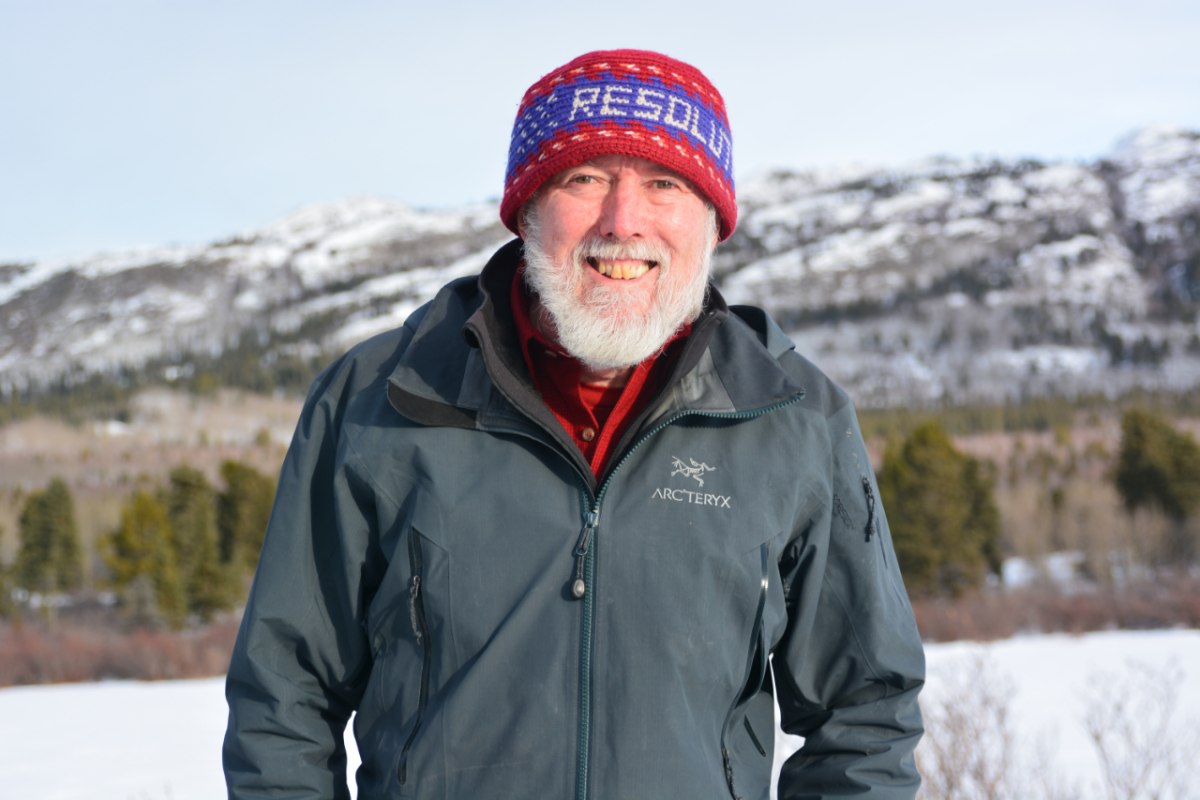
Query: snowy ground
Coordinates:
[162,741]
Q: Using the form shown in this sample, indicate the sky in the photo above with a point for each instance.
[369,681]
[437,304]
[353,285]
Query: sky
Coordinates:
[139,122]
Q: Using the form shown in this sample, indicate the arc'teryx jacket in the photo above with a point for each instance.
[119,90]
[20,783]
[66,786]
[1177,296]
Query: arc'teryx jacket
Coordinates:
[432,526]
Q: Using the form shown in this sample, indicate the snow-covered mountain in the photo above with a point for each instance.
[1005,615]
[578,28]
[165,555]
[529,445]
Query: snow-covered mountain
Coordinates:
[949,279]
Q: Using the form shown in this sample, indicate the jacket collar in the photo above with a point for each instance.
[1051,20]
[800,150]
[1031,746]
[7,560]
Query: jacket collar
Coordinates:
[729,364]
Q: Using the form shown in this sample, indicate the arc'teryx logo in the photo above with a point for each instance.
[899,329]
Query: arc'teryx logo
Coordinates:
[694,471]
[691,469]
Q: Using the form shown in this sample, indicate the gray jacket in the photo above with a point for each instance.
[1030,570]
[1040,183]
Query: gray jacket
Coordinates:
[441,560]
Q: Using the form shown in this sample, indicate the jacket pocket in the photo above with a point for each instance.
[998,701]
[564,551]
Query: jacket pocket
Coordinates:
[420,626]
[758,745]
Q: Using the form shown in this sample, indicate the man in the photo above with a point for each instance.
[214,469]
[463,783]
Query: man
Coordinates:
[546,538]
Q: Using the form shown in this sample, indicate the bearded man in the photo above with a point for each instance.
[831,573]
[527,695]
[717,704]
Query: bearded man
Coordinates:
[577,526]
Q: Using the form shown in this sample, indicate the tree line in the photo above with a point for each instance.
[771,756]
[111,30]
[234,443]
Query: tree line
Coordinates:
[946,525]
[180,551]
[184,551]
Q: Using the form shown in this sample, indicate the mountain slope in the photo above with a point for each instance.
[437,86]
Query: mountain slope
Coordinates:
[950,279]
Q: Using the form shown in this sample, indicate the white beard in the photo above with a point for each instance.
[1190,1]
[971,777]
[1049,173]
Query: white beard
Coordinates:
[600,328]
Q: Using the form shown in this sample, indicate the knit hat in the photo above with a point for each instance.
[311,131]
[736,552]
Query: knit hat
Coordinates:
[625,102]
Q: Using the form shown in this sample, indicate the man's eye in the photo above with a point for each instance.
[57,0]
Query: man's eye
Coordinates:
[582,179]
[664,183]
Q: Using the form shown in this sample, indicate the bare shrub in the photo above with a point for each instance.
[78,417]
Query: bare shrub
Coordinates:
[1144,750]
[1170,599]
[967,751]
[32,654]
[970,752]
[1045,782]
[980,616]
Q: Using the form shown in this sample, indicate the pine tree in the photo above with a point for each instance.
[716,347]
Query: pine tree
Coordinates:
[1159,467]
[49,558]
[943,517]
[6,588]
[243,509]
[191,511]
[143,564]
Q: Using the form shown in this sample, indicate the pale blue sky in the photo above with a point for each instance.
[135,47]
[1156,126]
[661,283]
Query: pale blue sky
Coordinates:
[129,122]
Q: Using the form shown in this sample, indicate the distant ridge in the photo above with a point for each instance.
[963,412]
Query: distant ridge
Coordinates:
[943,280]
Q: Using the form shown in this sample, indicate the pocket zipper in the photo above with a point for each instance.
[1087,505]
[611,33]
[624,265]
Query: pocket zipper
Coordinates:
[752,668]
[416,613]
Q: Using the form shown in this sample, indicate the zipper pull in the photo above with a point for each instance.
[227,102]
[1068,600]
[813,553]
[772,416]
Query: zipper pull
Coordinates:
[414,595]
[591,521]
[870,529]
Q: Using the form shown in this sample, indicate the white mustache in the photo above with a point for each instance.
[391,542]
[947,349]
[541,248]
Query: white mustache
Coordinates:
[608,250]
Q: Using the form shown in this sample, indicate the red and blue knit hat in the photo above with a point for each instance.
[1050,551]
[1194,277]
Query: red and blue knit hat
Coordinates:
[625,102]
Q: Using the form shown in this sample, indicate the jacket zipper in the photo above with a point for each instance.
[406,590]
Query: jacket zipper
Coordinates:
[416,611]
[582,586]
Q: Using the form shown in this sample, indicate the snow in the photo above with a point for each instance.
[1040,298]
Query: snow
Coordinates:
[776,187]
[1005,191]
[972,227]
[113,741]
[1158,146]
[856,248]
[318,242]
[1060,568]
[1163,173]
[838,208]
[1045,359]
[740,286]
[98,265]
[919,198]
[419,285]
[154,741]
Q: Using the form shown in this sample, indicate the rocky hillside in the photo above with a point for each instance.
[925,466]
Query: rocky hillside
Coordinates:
[943,280]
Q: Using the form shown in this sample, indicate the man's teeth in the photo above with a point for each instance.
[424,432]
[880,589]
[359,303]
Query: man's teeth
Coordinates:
[621,270]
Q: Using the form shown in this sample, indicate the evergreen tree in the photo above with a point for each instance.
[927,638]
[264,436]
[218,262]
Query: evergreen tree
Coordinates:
[984,516]
[1159,467]
[6,588]
[191,512]
[49,558]
[943,517]
[143,564]
[243,509]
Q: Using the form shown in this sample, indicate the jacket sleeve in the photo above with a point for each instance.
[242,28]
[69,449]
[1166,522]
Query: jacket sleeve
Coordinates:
[850,665]
[301,655]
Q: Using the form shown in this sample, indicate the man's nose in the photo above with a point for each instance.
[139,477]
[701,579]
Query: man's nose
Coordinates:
[623,213]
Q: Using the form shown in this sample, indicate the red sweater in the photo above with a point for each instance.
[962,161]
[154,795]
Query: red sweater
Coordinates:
[593,416]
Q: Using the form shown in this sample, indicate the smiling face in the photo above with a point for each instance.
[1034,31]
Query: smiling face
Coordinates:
[617,250]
